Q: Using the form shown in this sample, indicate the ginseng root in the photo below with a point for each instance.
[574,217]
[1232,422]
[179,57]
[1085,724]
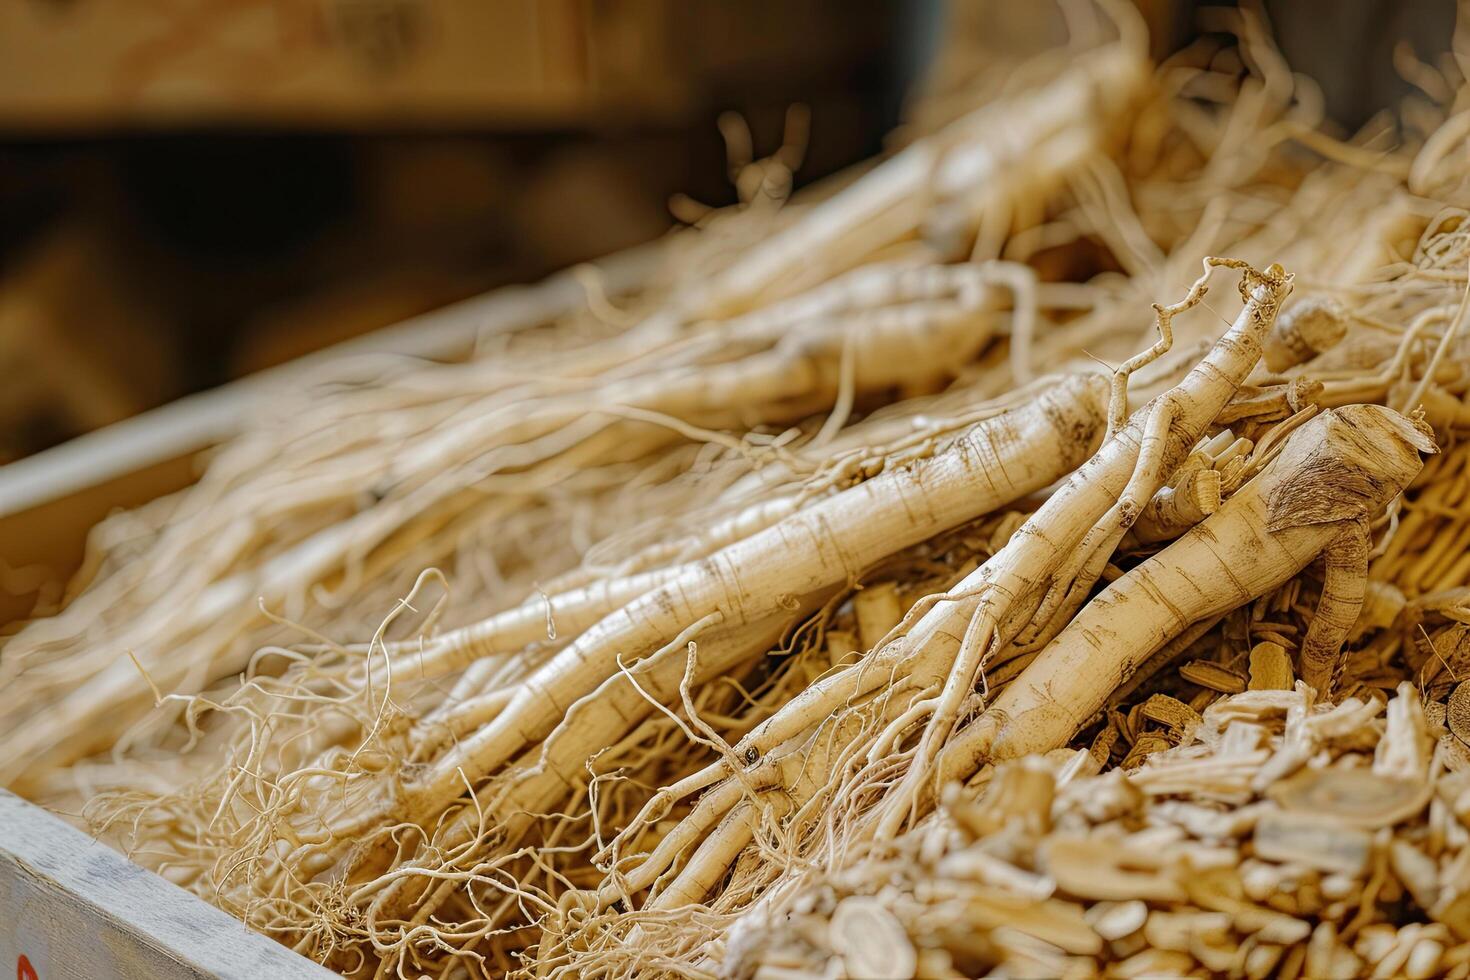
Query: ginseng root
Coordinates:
[832,542]
[1316,499]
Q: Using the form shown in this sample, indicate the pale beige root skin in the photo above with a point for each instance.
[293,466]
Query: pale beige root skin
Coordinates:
[943,316]
[557,765]
[1026,565]
[1043,559]
[1044,573]
[502,646]
[1333,476]
[997,461]
[885,325]
[946,323]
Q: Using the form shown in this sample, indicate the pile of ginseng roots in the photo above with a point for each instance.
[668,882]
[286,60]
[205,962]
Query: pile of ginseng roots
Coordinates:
[1117,394]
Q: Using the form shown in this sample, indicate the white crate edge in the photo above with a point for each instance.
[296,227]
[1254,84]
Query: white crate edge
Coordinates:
[73,907]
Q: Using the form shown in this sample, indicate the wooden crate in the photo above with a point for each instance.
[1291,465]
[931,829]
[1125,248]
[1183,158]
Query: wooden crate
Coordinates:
[71,907]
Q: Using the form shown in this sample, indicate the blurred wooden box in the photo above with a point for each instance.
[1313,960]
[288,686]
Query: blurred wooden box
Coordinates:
[108,63]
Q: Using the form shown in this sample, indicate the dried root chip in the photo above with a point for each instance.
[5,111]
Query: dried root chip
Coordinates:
[1117,920]
[1018,794]
[1086,869]
[1328,958]
[871,942]
[1179,930]
[1457,712]
[1417,871]
[1213,676]
[1062,924]
[1455,913]
[1314,841]
[1354,796]
[1146,745]
[1271,668]
[1180,717]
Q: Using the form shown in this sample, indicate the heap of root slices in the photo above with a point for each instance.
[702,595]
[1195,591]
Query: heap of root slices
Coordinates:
[978,562]
[1282,837]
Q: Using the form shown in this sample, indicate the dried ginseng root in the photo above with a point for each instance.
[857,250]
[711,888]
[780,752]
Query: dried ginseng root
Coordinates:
[781,618]
[1316,498]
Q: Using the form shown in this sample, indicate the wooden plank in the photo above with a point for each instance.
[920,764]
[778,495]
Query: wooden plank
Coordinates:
[71,907]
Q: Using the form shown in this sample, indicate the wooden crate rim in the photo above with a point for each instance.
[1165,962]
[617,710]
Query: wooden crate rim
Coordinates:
[72,903]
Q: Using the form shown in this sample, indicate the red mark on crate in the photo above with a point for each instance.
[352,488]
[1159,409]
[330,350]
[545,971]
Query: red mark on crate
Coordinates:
[24,970]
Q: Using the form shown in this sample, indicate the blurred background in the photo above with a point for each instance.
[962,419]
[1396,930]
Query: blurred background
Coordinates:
[193,190]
